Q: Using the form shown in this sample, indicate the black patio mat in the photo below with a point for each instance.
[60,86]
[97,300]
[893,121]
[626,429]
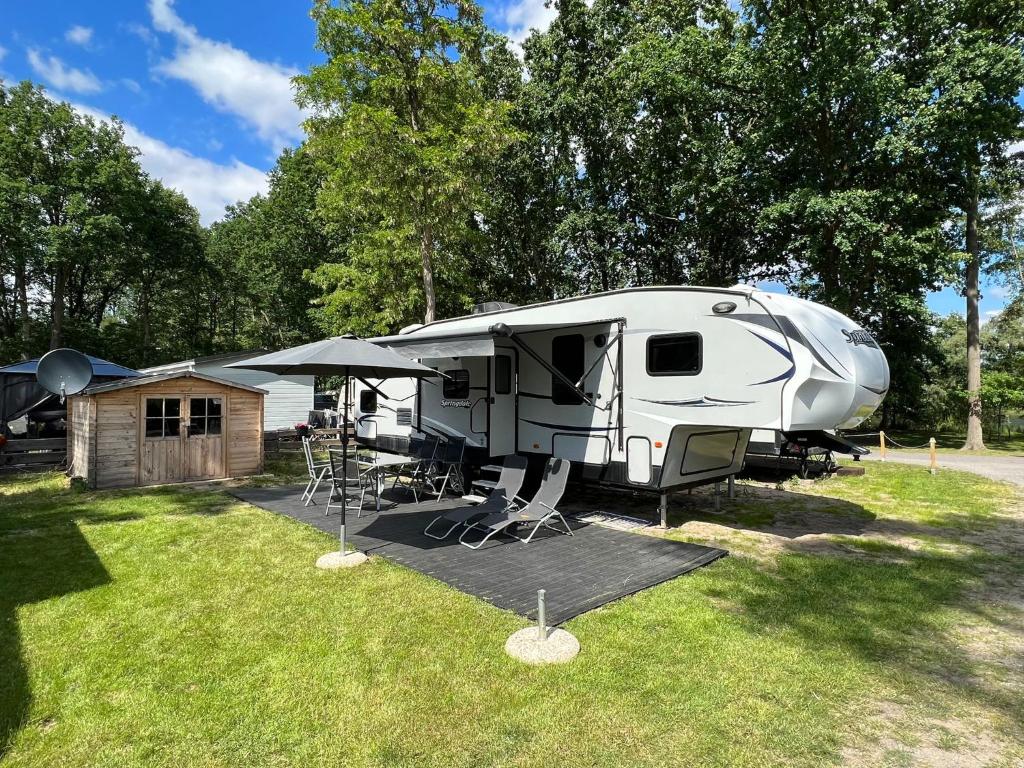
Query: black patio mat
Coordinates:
[580,572]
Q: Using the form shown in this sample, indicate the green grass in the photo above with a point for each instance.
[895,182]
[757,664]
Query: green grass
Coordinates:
[947,442]
[181,627]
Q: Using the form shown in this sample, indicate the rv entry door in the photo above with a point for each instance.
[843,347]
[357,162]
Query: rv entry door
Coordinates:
[501,437]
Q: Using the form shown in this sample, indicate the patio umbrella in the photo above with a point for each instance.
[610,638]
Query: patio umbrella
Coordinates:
[339,356]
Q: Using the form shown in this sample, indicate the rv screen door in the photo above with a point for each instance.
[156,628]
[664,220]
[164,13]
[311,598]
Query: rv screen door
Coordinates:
[501,440]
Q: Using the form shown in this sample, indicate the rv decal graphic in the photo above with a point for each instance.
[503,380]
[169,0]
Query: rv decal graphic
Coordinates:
[789,330]
[569,427]
[782,351]
[699,402]
[858,337]
[455,403]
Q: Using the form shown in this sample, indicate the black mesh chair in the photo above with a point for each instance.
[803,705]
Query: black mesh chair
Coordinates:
[419,472]
[363,481]
[448,467]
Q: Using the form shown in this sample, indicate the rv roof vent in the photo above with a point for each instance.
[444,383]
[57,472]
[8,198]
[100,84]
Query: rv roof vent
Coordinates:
[492,306]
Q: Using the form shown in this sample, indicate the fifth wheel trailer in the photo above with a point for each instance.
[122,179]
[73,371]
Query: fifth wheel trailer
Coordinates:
[651,388]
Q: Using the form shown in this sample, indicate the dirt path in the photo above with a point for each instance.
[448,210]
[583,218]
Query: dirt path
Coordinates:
[1009,469]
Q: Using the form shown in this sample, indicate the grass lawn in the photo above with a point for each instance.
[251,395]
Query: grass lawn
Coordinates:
[948,442]
[873,621]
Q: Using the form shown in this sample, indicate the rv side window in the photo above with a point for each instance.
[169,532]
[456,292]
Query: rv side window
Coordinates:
[675,355]
[368,401]
[567,355]
[502,375]
[456,386]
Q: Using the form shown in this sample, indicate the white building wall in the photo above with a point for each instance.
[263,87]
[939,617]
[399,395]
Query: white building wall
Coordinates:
[289,398]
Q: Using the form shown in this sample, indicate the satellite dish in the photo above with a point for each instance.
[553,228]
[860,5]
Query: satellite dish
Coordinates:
[64,372]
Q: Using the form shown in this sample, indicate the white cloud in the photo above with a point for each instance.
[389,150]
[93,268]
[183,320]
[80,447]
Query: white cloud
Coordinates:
[209,186]
[131,85]
[3,52]
[523,16]
[79,35]
[54,71]
[992,314]
[258,92]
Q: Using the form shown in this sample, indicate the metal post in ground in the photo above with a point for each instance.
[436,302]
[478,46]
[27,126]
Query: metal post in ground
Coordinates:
[881,445]
[732,486]
[663,510]
[933,464]
[542,626]
[718,495]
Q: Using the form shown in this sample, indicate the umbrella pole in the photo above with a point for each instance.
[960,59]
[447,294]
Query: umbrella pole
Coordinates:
[344,464]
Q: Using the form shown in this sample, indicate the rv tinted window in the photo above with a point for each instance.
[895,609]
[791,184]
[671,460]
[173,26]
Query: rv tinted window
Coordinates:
[677,355]
[456,385]
[502,375]
[567,355]
[368,401]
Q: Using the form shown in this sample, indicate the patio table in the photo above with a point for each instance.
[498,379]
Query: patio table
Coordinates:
[379,465]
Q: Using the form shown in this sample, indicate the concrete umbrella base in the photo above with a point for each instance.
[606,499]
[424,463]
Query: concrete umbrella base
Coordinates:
[334,560]
[557,648]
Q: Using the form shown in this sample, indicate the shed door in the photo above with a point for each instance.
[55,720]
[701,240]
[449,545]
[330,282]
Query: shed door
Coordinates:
[161,459]
[204,441]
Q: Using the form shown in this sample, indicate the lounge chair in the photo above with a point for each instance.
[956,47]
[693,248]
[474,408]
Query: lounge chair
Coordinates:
[502,497]
[539,512]
[318,470]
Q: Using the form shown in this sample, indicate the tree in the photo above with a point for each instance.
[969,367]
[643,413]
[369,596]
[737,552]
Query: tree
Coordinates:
[974,73]
[402,120]
[263,251]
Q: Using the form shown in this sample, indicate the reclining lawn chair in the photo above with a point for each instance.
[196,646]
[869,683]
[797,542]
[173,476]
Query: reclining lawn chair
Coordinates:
[502,497]
[318,470]
[539,512]
[364,481]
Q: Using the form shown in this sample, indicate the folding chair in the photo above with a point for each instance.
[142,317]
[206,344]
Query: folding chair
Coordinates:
[449,460]
[318,470]
[340,484]
[539,512]
[419,473]
[502,497]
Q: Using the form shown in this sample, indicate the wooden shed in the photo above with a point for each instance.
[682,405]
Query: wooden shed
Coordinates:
[166,428]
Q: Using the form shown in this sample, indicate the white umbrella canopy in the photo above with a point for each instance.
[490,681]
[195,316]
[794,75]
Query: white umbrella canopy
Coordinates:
[338,356]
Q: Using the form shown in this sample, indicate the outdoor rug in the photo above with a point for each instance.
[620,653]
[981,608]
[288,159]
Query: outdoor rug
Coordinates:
[579,573]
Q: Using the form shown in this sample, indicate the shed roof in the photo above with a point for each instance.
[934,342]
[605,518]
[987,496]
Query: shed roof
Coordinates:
[142,381]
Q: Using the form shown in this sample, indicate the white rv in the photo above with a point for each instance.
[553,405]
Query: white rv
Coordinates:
[644,387]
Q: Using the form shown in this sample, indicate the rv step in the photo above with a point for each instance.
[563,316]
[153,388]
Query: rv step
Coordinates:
[488,484]
[496,468]
[472,498]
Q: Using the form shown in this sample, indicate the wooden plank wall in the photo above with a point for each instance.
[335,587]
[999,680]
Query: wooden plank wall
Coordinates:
[79,436]
[245,433]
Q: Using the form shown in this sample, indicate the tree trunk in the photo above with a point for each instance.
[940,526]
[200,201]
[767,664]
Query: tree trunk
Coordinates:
[26,319]
[427,257]
[60,281]
[975,440]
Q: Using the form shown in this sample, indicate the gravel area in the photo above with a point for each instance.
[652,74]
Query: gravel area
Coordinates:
[1009,469]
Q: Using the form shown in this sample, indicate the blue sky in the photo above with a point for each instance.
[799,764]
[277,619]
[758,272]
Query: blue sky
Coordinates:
[203,87]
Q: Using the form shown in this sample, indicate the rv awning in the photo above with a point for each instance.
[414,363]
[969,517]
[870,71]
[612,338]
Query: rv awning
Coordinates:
[474,341]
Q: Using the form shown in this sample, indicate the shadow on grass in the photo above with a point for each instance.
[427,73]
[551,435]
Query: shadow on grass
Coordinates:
[43,557]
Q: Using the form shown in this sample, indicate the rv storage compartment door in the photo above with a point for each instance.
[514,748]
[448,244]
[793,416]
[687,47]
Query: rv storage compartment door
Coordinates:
[709,450]
[638,460]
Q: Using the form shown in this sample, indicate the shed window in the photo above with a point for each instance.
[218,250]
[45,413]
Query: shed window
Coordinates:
[205,416]
[367,401]
[456,385]
[568,356]
[674,355]
[163,417]
[502,375]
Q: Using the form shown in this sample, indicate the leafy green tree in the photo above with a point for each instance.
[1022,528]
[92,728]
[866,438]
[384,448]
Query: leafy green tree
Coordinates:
[972,73]
[262,252]
[402,119]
